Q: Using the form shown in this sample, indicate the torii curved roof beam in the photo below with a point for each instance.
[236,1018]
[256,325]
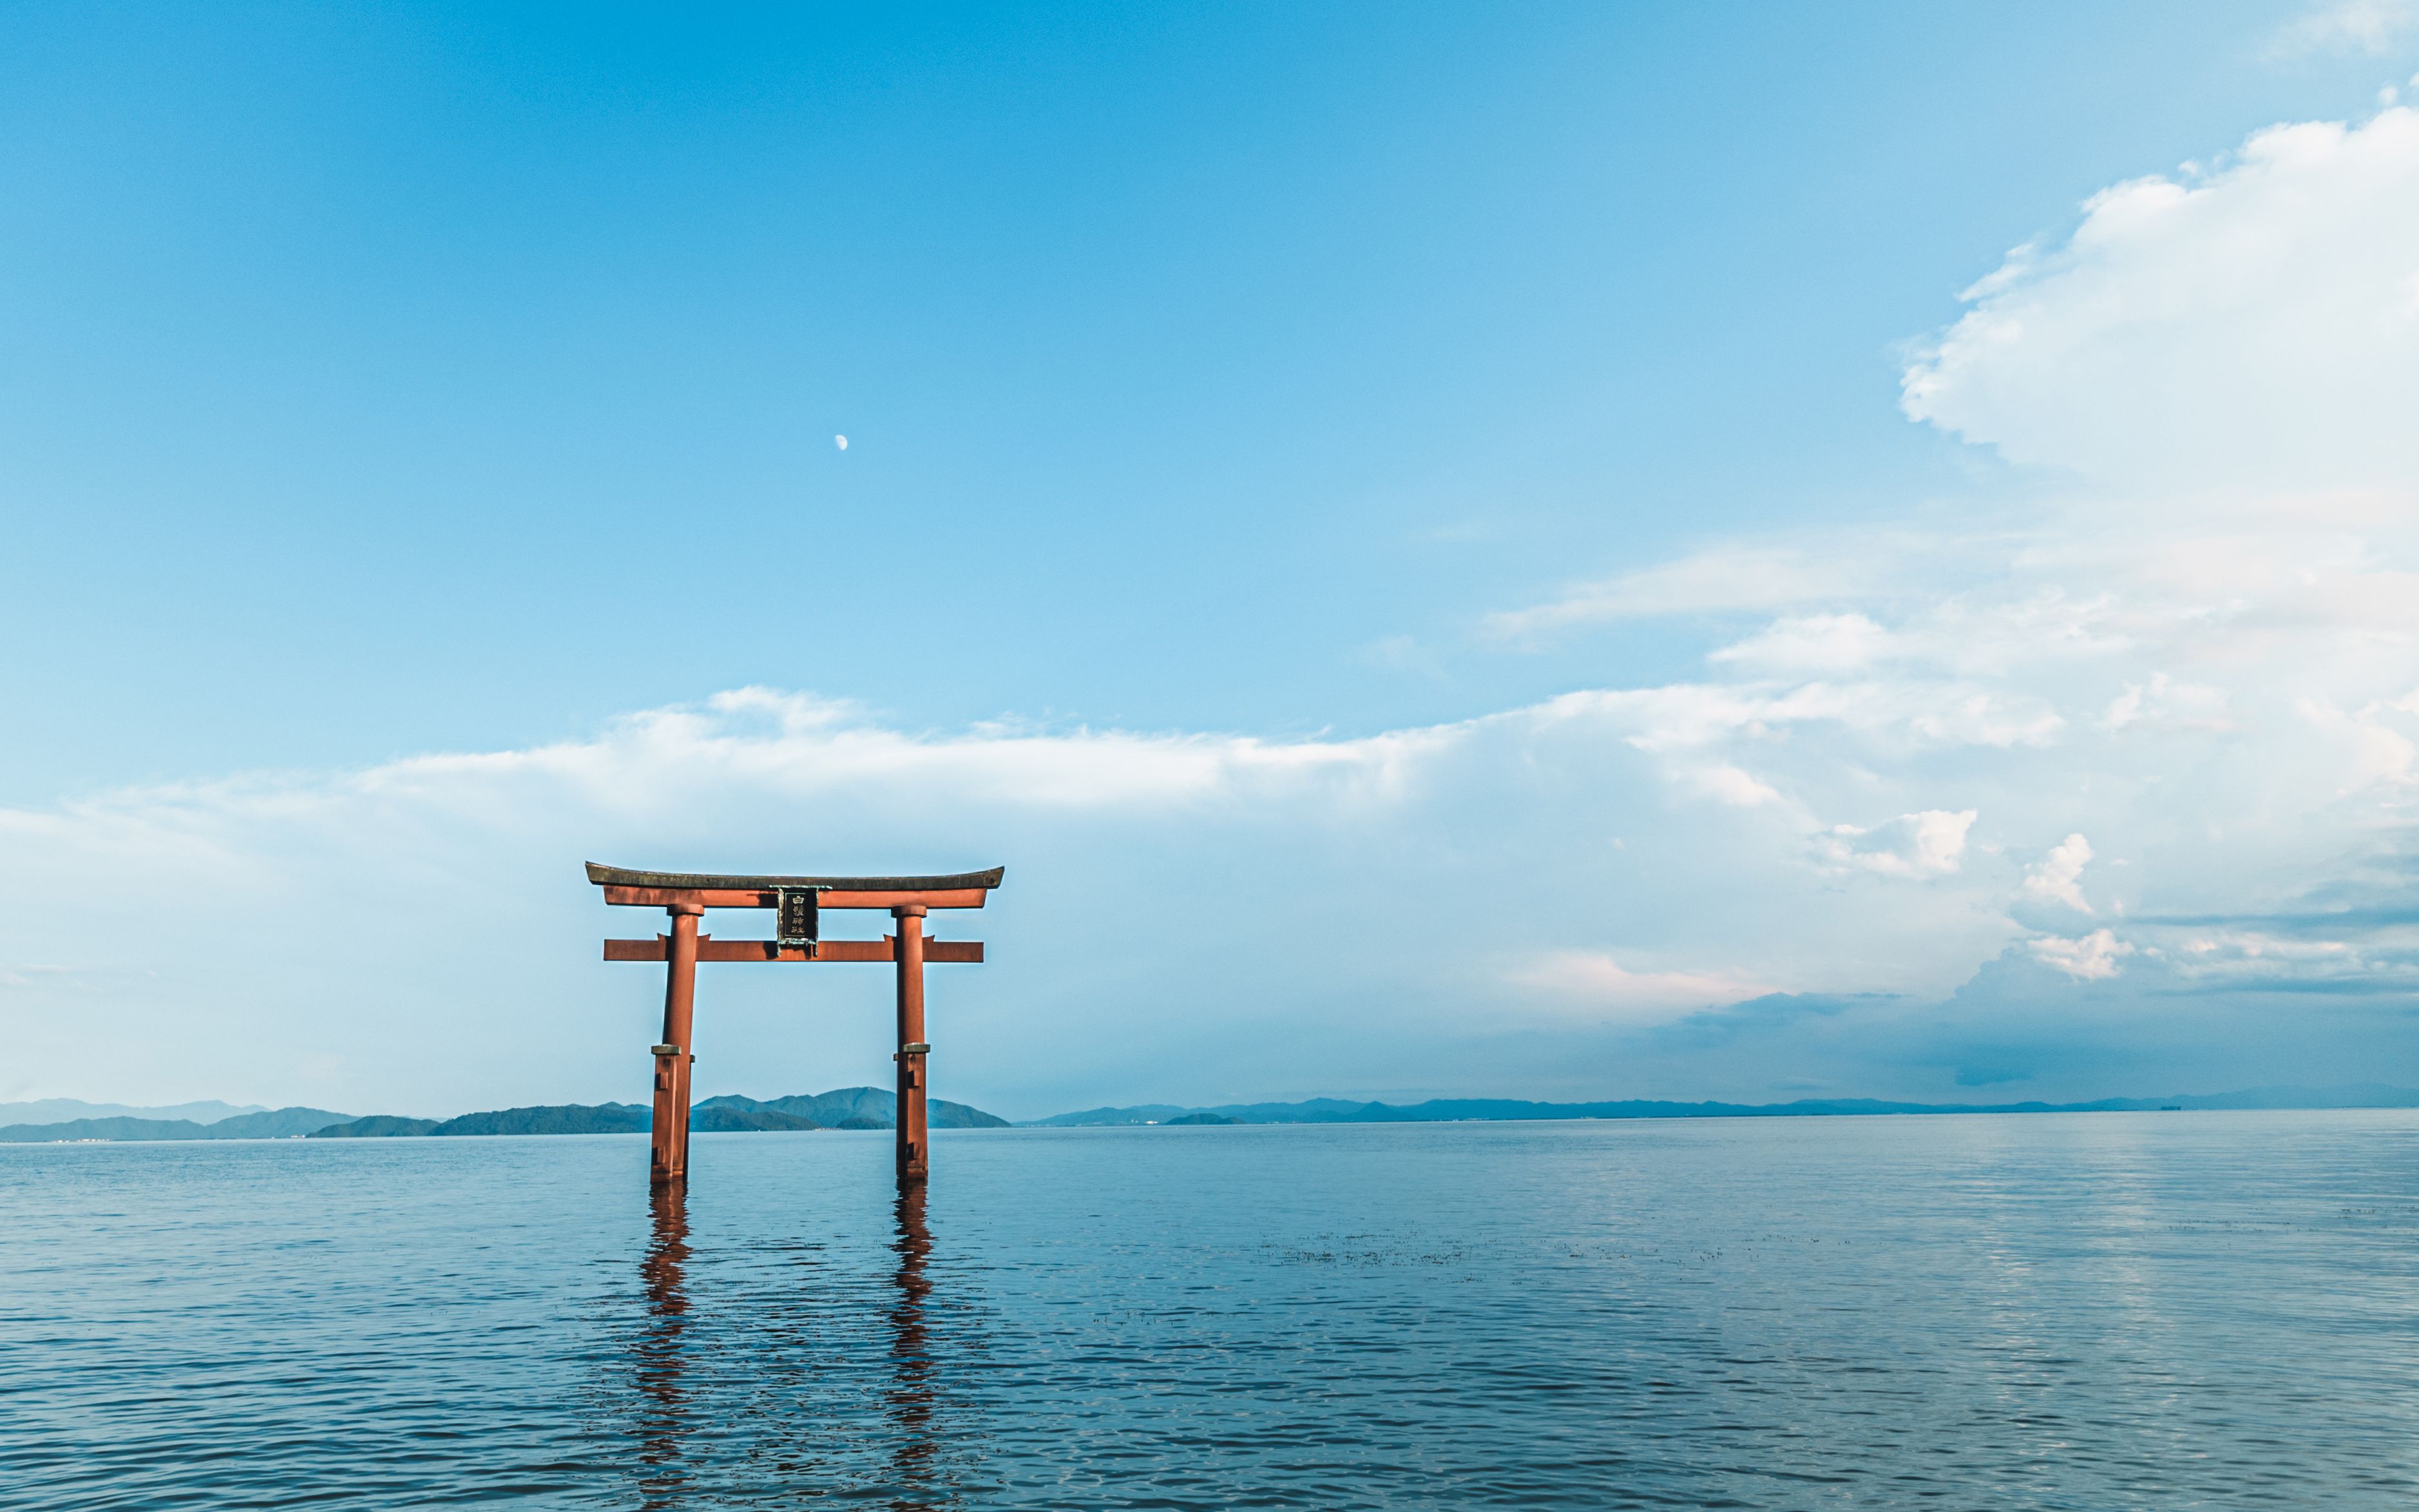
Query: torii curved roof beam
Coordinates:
[657,890]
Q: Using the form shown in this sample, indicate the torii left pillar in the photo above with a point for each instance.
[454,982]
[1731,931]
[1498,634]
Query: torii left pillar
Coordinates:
[668,1159]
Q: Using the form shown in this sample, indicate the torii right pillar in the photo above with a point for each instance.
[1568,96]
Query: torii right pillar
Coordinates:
[915,1147]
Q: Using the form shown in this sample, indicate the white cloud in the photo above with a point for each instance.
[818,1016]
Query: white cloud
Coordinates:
[2091,958]
[1925,845]
[2058,877]
[2199,645]
[2235,332]
[1253,892]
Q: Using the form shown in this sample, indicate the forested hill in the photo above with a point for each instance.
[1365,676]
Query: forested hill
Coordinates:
[849,1107]
[866,1108]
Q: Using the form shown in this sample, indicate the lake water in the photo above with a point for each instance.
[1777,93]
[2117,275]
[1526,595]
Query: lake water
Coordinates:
[2168,1310]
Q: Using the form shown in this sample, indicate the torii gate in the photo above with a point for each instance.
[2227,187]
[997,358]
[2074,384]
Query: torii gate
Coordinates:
[797,904]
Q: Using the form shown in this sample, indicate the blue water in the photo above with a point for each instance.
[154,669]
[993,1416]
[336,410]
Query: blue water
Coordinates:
[2169,1310]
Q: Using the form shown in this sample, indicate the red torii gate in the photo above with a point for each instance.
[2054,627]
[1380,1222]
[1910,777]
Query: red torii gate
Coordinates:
[797,904]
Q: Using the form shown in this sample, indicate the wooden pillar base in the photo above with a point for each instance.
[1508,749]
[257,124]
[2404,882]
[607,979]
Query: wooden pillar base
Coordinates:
[668,1141]
[915,1158]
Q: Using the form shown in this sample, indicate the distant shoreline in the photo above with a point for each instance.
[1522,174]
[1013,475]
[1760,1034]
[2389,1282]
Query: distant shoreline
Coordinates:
[1512,1110]
[865,1108]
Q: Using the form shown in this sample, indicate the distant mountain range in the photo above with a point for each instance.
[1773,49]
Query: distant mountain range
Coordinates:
[283,1123]
[849,1107]
[871,1107]
[1451,1110]
[63,1109]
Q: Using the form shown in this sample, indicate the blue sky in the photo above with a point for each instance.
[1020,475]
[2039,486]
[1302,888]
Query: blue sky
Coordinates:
[1517,487]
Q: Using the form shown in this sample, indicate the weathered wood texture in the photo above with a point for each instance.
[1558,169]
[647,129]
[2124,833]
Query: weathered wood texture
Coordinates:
[662,890]
[914,1160]
[724,898]
[668,1142]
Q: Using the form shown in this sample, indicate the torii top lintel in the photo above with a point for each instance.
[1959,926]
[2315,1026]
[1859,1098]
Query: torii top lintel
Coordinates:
[658,890]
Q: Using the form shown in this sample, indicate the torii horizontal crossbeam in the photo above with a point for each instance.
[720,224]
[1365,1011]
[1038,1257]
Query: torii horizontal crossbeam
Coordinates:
[955,953]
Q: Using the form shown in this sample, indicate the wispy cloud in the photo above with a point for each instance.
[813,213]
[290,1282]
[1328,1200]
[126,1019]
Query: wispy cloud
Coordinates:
[1597,984]
[2376,27]
[1732,578]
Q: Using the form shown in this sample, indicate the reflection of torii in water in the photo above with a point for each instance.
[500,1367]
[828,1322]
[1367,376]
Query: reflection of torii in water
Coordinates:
[911,1399]
[912,1394]
[659,1353]
[798,903]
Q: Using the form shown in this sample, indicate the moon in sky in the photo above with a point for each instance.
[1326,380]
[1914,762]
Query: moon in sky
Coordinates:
[841,441]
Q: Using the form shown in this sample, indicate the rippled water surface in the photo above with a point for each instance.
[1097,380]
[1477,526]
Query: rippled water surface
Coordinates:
[2165,1310]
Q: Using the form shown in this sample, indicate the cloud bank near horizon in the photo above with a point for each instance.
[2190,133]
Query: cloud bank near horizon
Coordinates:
[2099,784]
